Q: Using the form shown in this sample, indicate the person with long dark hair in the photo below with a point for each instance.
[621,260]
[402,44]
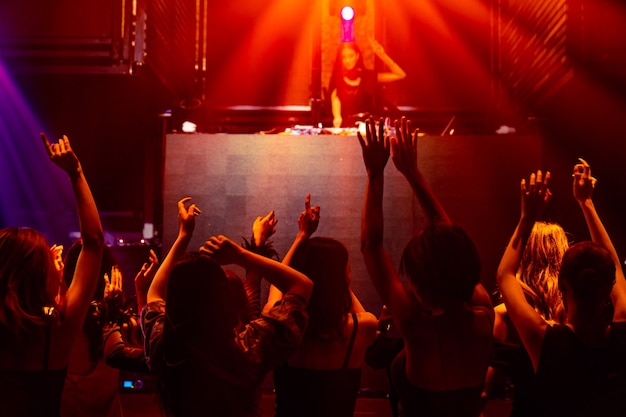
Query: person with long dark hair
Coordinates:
[38,320]
[353,88]
[103,347]
[322,377]
[208,353]
[443,313]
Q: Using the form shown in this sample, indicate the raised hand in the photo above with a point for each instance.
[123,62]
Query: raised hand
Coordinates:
[309,219]
[535,195]
[113,283]
[263,228]
[144,277]
[222,250]
[584,183]
[404,147]
[376,46]
[187,217]
[61,154]
[186,224]
[375,147]
[57,255]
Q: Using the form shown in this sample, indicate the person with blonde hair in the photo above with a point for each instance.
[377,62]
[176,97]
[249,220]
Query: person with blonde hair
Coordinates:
[579,366]
[538,277]
[539,269]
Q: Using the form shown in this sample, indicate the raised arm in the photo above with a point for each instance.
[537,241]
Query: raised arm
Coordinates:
[529,324]
[117,352]
[224,251]
[307,225]
[583,186]
[308,221]
[87,270]
[395,73]
[144,278]
[262,229]
[404,156]
[382,272]
[186,225]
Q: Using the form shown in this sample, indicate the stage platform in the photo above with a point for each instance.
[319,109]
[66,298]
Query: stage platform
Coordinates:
[243,119]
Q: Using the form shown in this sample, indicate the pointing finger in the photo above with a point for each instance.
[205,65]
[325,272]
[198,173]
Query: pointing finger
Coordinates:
[46,143]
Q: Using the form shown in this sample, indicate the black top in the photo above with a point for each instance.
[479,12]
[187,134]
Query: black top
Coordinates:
[34,393]
[227,384]
[573,379]
[358,100]
[416,401]
[303,392]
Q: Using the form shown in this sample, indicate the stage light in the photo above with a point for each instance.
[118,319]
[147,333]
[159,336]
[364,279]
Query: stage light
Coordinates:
[347,13]
[347,24]
[189,127]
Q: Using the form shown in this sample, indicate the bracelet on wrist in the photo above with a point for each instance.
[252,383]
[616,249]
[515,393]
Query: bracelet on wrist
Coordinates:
[265,249]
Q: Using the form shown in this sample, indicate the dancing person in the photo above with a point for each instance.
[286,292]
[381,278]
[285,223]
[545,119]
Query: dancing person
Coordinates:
[538,277]
[209,358]
[38,321]
[579,366]
[353,88]
[322,377]
[100,350]
[443,313]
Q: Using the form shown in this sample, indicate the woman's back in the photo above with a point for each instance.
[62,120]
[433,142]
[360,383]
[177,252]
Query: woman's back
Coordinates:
[442,312]
[448,351]
[442,368]
[330,354]
[91,386]
[575,379]
[95,393]
[323,377]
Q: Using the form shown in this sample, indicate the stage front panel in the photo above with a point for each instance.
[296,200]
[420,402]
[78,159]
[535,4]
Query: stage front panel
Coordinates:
[235,178]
